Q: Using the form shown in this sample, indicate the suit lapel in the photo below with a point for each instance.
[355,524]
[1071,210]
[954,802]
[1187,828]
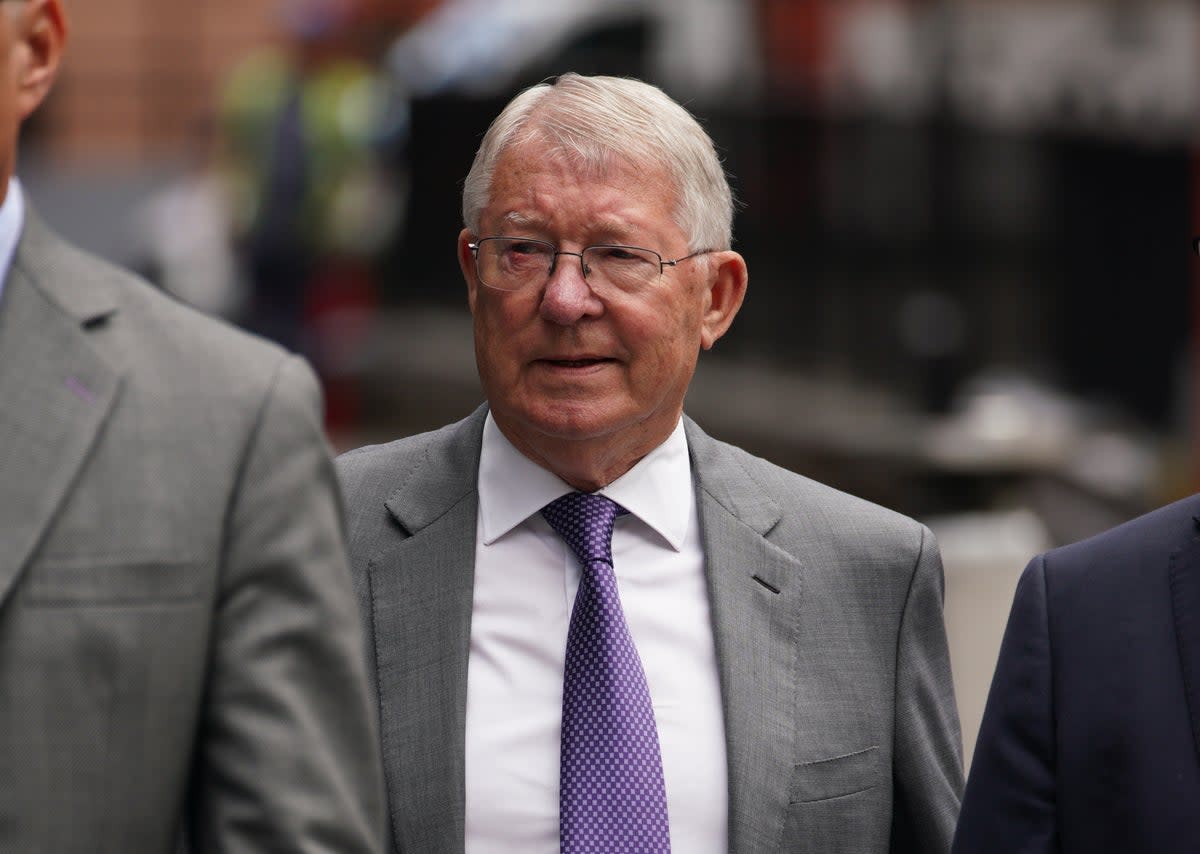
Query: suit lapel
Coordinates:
[754,626]
[55,394]
[1185,602]
[421,597]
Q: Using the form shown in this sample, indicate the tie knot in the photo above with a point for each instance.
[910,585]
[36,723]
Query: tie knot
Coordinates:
[585,522]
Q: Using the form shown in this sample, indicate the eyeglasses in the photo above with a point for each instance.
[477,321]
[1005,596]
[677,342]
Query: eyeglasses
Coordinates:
[513,263]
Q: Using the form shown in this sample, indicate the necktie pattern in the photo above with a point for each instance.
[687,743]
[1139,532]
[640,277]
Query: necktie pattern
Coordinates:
[612,797]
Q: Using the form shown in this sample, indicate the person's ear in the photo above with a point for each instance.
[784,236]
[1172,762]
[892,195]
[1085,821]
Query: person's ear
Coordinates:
[40,28]
[466,262]
[725,294]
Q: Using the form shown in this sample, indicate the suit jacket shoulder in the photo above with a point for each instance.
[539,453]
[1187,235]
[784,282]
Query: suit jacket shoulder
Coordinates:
[797,512]
[142,330]
[1124,554]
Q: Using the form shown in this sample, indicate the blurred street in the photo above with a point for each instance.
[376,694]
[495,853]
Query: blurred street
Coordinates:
[972,297]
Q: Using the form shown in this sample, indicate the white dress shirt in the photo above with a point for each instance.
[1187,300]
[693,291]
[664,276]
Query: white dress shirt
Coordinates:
[12,218]
[525,583]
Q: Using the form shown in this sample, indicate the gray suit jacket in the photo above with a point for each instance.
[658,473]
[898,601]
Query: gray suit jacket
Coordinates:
[840,721]
[179,644]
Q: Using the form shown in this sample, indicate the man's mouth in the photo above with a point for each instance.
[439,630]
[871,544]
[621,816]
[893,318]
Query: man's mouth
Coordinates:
[576,363]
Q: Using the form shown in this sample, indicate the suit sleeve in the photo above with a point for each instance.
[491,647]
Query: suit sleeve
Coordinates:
[287,756]
[928,743]
[1009,804]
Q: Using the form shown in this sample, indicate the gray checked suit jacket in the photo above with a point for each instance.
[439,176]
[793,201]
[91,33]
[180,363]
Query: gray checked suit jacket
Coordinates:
[840,721]
[180,650]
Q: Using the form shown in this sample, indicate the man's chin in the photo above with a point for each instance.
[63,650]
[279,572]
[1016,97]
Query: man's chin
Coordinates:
[569,425]
[561,421]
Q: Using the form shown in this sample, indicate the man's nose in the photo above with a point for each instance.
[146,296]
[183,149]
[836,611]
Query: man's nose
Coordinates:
[568,297]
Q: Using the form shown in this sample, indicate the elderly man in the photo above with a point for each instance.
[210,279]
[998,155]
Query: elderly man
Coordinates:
[593,627]
[179,645]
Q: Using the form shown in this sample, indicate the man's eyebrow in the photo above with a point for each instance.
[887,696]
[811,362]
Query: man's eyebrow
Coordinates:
[617,229]
[519,220]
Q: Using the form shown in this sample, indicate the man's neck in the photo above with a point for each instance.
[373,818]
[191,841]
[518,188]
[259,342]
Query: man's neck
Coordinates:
[585,464]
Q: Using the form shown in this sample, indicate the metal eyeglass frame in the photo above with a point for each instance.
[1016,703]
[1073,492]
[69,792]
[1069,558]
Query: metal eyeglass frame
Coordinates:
[662,262]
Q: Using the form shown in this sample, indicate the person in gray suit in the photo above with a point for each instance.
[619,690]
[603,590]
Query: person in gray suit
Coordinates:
[789,636]
[180,656]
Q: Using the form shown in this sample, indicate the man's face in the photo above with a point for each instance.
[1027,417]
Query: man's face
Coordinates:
[562,365]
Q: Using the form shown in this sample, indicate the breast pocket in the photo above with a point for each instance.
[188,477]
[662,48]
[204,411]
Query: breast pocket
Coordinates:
[836,777]
[114,583]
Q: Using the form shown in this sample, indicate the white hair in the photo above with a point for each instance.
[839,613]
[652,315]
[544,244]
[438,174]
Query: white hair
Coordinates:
[594,120]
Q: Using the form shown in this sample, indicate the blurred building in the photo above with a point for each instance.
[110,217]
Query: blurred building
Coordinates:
[933,191]
[936,192]
[138,73]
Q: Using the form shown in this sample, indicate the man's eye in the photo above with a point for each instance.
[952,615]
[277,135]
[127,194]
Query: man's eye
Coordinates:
[527,249]
[621,253]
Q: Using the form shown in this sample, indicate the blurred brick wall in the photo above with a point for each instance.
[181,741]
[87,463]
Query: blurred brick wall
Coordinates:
[138,72]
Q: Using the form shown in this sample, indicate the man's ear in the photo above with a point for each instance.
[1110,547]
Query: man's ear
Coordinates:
[41,35]
[466,262]
[725,295]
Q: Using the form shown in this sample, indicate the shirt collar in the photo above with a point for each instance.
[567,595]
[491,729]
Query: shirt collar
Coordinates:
[513,487]
[12,218]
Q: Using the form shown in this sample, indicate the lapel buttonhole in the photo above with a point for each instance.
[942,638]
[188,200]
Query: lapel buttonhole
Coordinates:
[80,390]
[766,584]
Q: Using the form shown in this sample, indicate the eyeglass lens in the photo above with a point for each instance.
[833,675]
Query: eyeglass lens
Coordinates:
[512,264]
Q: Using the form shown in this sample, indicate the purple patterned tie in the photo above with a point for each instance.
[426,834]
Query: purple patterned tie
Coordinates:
[611,796]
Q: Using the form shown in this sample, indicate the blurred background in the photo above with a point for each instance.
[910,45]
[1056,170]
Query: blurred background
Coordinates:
[967,224]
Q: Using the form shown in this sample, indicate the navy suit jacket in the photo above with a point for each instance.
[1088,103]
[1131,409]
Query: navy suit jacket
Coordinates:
[1091,737]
